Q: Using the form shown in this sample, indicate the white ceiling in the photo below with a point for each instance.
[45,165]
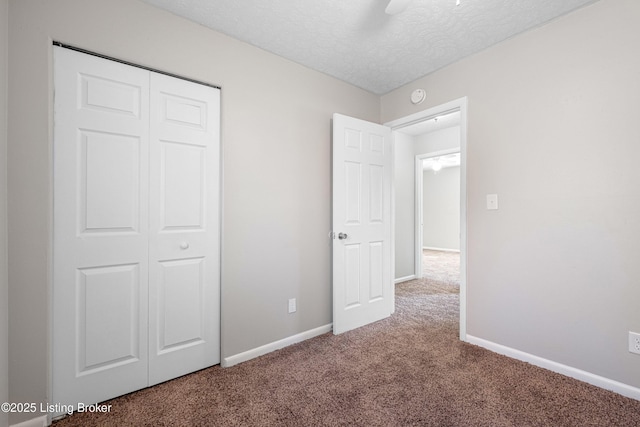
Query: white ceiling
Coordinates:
[355,41]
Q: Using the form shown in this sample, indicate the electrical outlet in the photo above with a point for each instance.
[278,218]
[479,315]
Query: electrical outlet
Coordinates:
[634,342]
[292,305]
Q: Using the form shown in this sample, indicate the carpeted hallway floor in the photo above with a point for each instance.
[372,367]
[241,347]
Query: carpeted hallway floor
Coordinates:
[407,370]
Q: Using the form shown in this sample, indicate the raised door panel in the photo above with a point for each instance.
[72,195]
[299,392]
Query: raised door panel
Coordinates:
[376,194]
[180,304]
[109,179]
[100,93]
[352,277]
[353,193]
[376,271]
[107,317]
[182,186]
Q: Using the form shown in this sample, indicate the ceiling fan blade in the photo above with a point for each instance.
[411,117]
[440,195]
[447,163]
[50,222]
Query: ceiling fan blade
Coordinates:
[396,6]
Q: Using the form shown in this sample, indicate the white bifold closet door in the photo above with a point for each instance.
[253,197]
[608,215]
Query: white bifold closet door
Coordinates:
[136,262]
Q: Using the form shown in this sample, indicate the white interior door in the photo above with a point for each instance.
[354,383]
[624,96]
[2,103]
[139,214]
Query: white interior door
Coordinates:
[361,218]
[184,235]
[136,228]
[101,228]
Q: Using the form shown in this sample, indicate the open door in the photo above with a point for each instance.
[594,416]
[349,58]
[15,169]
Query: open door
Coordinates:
[361,220]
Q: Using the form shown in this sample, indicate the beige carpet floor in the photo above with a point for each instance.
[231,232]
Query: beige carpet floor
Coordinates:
[407,370]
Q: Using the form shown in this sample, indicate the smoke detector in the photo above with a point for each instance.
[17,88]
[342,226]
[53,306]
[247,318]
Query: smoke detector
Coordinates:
[418,95]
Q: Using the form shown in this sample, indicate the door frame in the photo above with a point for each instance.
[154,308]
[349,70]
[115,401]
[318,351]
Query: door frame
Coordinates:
[419,202]
[460,105]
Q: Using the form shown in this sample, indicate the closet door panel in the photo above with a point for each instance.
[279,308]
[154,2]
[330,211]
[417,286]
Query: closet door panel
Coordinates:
[136,258]
[184,286]
[100,242]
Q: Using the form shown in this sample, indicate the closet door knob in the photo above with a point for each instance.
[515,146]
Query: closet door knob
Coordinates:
[184,245]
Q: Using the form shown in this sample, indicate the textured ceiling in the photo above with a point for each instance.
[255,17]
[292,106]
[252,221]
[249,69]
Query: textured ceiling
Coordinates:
[355,41]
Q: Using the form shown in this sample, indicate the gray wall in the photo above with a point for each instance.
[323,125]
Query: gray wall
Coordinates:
[441,209]
[276,137]
[4,317]
[553,131]
[404,189]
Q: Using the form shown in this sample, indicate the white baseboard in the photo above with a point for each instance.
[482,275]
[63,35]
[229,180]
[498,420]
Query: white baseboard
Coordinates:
[33,422]
[404,279]
[277,345]
[430,248]
[578,374]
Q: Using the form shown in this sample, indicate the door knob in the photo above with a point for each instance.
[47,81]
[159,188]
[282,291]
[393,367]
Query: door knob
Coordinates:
[342,236]
[184,245]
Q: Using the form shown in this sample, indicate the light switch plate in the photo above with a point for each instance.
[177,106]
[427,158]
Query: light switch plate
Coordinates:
[492,202]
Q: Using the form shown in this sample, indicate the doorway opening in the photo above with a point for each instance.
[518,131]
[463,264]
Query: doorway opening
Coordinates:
[437,198]
[407,234]
[437,224]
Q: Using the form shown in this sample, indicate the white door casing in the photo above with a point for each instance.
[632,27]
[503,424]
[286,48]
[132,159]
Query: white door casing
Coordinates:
[459,104]
[361,221]
[107,270]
